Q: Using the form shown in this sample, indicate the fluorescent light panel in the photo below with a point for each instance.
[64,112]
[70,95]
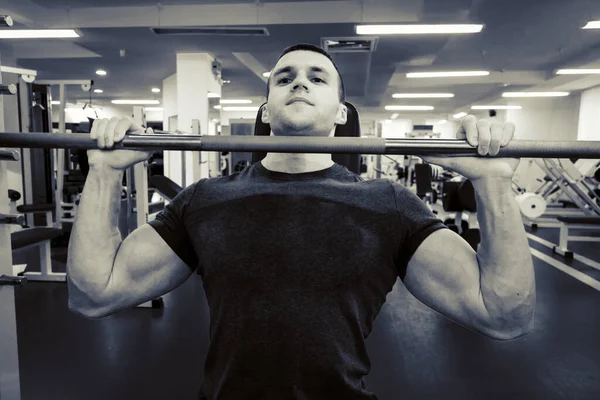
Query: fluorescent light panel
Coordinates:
[414,29]
[577,71]
[496,108]
[449,74]
[266,74]
[98,91]
[460,115]
[394,116]
[213,95]
[101,72]
[155,90]
[233,101]
[252,108]
[535,94]
[422,95]
[136,102]
[38,34]
[408,108]
[592,25]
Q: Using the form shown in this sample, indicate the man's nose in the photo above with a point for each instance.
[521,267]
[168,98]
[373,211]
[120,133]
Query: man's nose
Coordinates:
[300,82]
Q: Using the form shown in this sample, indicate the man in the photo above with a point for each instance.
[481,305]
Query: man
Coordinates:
[297,253]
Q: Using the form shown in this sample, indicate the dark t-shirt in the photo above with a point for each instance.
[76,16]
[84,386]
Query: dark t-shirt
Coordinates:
[295,267]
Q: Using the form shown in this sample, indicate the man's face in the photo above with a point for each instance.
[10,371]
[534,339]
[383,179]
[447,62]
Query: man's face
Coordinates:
[304,96]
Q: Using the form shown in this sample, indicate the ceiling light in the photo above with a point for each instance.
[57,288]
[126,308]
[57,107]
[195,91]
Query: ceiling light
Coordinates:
[496,108]
[226,81]
[38,34]
[535,94]
[98,91]
[217,107]
[408,108]
[577,71]
[101,72]
[136,102]
[442,122]
[155,90]
[422,95]
[213,95]
[460,115]
[394,116]
[592,25]
[451,74]
[55,102]
[154,109]
[266,74]
[236,101]
[253,108]
[417,29]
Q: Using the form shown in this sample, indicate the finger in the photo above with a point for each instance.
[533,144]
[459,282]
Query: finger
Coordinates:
[95,125]
[507,133]
[484,137]
[469,125]
[109,132]
[149,131]
[122,128]
[100,132]
[496,133]
[460,132]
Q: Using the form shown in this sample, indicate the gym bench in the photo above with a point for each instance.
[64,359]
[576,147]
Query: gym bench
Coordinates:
[567,223]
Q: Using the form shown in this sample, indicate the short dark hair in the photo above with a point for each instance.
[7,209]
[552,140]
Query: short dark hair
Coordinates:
[316,49]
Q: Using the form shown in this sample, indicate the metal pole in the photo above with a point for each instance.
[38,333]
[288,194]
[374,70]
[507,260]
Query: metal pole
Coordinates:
[448,147]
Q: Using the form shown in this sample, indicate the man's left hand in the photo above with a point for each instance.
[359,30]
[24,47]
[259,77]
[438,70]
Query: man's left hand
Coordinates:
[488,136]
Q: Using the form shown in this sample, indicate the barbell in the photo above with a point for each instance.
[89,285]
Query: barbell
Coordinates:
[278,144]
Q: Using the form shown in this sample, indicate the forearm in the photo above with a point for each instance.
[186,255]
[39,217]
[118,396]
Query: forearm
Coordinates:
[507,277]
[95,238]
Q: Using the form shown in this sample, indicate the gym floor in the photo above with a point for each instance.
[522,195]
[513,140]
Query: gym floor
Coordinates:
[416,353]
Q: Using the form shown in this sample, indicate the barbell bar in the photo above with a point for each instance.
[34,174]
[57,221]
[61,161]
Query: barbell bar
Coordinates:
[278,144]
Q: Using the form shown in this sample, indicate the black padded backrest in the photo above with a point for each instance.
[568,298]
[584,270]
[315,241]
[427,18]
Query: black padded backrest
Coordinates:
[350,129]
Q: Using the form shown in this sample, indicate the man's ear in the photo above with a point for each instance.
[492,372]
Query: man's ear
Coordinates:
[265,115]
[342,115]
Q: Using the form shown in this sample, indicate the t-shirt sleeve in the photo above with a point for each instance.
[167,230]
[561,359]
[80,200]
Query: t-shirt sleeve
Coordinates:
[169,224]
[417,222]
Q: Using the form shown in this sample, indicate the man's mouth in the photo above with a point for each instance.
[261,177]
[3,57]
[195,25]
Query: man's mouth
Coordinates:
[298,99]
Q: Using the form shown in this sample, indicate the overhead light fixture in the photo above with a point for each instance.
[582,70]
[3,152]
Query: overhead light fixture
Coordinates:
[408,108]
[217,107]
[577,71]
[394,116]
[266,74]
[55,102]
[154,109]
[496,108]
[226,81]
[449,74]
[213,95]
[253,108]
[155,90]
[98,91]
[101,72]
[422,95]
[38,34]
[414,29]
[232,101]
[459,115]
[136,102]
[535,94]
[592,25]
[442,122]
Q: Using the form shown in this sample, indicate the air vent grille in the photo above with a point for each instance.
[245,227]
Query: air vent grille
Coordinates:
[213,30]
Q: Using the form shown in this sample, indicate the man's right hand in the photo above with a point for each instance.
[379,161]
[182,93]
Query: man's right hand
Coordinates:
[107,133]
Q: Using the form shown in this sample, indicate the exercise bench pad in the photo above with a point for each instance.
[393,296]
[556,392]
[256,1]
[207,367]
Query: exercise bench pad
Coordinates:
[27,237]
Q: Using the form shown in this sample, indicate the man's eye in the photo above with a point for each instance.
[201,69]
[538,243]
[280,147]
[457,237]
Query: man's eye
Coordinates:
[280,80]
[318,79]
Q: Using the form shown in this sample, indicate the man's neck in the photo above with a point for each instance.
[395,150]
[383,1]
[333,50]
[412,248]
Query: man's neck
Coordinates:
[297,163]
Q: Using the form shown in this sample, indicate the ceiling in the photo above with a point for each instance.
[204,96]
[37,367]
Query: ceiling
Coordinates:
[522,44]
